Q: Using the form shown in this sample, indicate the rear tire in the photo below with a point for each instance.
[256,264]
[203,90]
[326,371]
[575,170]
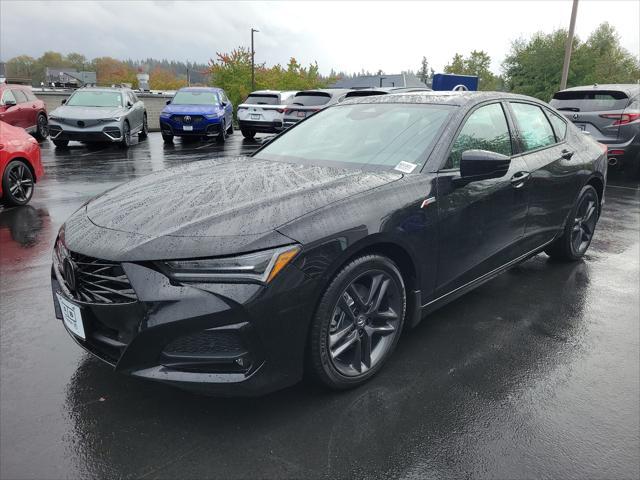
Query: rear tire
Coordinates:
[248,134]
[357,323]
[17,183]
[61,143]
[579,228]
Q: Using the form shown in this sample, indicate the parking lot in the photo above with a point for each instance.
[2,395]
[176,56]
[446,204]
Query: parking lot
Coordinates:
[534,374]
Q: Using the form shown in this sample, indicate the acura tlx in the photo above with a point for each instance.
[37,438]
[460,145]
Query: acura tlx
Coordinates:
[236,276]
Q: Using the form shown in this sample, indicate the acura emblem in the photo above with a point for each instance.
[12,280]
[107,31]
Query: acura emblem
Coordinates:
[187,119]
[69,273]
[575,116]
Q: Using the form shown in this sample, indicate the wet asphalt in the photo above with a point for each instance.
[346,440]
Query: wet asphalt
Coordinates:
[533,375]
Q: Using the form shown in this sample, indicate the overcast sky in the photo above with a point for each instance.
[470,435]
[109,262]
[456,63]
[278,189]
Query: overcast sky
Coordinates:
[348,36]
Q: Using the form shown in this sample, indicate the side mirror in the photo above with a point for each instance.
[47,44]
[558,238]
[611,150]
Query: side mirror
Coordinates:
[129,104]
[9,103]
[482,165]
[64,100]
[168,102]
[223,104]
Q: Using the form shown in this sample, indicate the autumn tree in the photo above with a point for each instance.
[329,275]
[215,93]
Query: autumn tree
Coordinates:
[161,79]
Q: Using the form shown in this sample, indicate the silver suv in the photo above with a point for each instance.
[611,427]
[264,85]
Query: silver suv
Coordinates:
[611,115]
[97,114]
[262,112]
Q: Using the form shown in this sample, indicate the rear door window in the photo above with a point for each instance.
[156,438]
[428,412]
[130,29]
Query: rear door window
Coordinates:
[485,129]
[20,96]
[589,100]
[311,99]
[535,129]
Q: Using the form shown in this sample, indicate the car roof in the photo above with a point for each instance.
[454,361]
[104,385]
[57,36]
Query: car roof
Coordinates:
[331,91]
[440,97]
[630,89]
[104,89]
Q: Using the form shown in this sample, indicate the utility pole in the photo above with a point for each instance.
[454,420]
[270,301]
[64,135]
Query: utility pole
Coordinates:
[569,46]
[253,53]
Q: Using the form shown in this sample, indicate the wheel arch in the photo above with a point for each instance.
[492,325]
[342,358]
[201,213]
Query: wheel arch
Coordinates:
[598,183]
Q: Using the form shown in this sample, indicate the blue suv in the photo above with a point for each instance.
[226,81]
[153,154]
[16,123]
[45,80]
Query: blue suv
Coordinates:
[197,112]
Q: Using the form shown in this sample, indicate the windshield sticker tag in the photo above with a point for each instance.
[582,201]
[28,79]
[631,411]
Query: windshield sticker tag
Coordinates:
[405,167]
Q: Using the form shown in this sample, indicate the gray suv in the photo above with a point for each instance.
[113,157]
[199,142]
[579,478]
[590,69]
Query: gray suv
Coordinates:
[96,114]
[611,115]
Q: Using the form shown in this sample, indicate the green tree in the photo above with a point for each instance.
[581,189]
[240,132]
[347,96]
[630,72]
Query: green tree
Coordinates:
[477,63]
[424,73]
[533,67]
[78,61]
[20,67]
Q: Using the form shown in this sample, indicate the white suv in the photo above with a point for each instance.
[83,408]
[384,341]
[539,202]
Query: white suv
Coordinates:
[262,112]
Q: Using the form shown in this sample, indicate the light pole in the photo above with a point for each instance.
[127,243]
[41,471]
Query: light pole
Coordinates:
[569,46]
[253,53]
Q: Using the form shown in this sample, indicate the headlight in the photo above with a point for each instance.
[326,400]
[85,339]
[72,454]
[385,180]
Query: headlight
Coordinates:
[212,116]
[259,267]
[55,117]
[113,119]
[164,115]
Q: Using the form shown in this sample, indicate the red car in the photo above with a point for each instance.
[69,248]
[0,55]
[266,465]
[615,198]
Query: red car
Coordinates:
[20,107]
[19,163]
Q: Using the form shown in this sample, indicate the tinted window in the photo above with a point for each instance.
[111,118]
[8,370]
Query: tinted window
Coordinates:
[195,98]
[380,135]
[589,100]
[535,130]
[485,129]
[20,96]
[8,96]
[559,126]
[95,98]
[263,99]
[311,99]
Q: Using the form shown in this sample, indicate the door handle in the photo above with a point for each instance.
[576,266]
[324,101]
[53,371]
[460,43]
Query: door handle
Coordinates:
[519,178]
[567,154]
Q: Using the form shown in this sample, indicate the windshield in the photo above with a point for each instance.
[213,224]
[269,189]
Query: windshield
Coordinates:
[311,99]
[380,135]
[254,99]
[95,98]
[195,98]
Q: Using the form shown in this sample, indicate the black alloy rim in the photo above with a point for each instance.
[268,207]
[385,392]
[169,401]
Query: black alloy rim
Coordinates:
[20,182]
[584,223]
[364,323]
[43,126]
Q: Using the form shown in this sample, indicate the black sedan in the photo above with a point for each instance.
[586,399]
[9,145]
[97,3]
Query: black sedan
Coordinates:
[237,275]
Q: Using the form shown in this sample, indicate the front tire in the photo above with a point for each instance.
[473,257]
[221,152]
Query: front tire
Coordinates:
[17,183]
[230,129]
[145,129]
[358,322]
[126,136]
[42,127]
[579,228]
[61,143]
[222,136]
[167,138]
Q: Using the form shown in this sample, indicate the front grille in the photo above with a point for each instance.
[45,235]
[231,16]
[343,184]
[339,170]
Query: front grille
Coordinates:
[208,342]
[92,280]
[194,119]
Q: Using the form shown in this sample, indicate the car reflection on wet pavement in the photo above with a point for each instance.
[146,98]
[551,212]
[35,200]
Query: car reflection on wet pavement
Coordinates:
[534,374]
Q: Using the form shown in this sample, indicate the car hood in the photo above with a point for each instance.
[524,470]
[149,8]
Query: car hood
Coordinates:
[87,113]
[230,197]
[190,109]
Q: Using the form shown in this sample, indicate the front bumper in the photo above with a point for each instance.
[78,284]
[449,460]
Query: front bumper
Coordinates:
[103,132]
[200,126]
[222,339]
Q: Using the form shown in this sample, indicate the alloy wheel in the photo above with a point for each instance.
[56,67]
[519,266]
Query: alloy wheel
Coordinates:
[20,182]
[584,223]
[364,323]
[43,126]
